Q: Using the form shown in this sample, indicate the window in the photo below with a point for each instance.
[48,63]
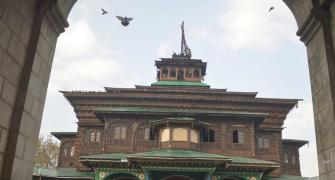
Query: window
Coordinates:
[92,138]
[95,136]
[188,73]
[120,132]
[286,158]
[165,135]
[293,160]
[149,134]
[263,142]
[207,135]
[72,151]
[196,74]
[179,134]
[65,152]
[172,73]
[180,75]
[238,136]
[194,136]
[98,136]
[164,73]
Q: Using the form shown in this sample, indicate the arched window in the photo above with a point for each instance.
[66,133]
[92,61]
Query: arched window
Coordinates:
[180,74]
[92,136]
[164,73]
[72,151]
[196,73]
[98,136]
[194,136]
[238,136]
[179,134]
[120,132]
[188,73]
[149,134]
[285,158]
[65,151]
[172,73]
[165,135]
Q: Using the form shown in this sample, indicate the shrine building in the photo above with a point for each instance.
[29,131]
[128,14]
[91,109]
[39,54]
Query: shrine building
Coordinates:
[177,128]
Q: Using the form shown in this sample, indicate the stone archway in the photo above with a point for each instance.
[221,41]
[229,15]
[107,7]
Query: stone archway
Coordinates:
[29,31]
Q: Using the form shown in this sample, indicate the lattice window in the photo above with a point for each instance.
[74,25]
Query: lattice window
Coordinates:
[238,136]
[179,134]
[207,135]
[165,135]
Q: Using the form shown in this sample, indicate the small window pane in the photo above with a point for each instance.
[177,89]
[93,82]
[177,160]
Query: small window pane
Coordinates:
[196,73]
[117,132]
[98,136]
[180,134]
[235,136]
[240,137]
[72,151]
[194,136]
[65,152]
[165,135]
[164,73]
[266,143]
[260,142]
[293,160]
[286,158]
[123,132]
[92,138]
[173,73]
[147,133]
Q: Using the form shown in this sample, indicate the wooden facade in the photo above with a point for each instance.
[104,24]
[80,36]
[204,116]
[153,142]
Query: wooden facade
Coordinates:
[183,115]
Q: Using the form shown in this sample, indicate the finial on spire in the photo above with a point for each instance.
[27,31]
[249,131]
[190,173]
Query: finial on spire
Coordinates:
[185,51]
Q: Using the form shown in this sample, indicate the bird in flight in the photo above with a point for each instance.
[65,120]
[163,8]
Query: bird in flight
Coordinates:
[271,8]
[124,20]
[103,11]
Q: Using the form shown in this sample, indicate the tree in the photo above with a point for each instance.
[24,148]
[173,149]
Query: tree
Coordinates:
[47,152]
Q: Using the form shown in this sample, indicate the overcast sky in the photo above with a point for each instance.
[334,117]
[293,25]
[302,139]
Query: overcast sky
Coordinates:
[247,49]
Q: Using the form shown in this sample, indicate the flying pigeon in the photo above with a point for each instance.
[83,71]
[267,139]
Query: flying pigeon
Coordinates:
[104,11]
[271,8]
[124,20]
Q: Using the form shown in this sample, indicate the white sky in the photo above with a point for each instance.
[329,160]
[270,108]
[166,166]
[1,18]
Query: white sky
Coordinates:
[247,49]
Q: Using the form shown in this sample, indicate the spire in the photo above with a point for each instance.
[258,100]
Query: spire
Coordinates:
[185,51]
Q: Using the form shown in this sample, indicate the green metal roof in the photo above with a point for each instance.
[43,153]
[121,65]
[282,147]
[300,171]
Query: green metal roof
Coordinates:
[180,83]
[62,172]
[285,177]
[169,153]
[180,111]
[112,156]
[244,160]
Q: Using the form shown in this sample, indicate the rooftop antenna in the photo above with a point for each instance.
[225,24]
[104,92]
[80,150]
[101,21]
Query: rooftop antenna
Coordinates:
[185,50]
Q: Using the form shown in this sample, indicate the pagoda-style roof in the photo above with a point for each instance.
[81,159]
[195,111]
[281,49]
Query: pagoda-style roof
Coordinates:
[180,83]
[171,155]
[61,135]
[296,142]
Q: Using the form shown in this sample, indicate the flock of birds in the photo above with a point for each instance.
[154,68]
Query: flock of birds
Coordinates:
[125,20]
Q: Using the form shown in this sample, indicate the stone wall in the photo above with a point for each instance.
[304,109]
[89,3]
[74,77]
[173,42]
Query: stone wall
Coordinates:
[316,25]
[28,34]
[29,31]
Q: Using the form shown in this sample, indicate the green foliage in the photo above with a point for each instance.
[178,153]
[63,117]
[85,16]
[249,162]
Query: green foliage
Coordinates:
[47,152]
